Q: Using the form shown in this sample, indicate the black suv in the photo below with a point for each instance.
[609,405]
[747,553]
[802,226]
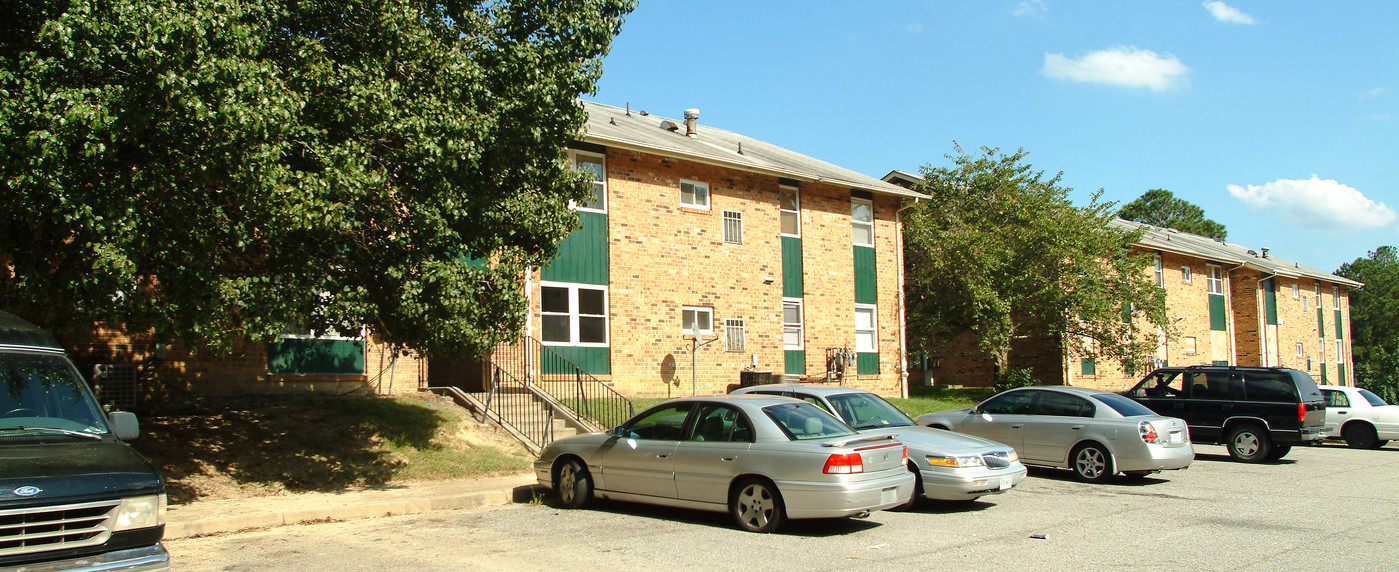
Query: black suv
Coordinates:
[1258,413]
[73,495]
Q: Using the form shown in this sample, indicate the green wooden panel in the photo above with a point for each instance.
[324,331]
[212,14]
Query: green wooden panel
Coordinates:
[1270,302]
[1320,323]
[1088,366]
[1340,373]
[1323,373]
[312,356]
[583,254]
[1220,362]
[865,290]
[596,361]
[1340,332]
[795,362]
[1219,314]
[867,363]
[791,267]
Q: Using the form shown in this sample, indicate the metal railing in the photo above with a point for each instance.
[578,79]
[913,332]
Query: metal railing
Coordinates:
[595,403]
[520,410]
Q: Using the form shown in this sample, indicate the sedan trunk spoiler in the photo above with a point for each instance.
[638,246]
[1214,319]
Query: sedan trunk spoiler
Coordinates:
[858,439]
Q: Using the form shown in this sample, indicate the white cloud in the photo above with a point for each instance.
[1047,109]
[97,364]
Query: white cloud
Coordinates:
[915,27]
[1379,118]
[1228,14]
[1372,93]
[1032,9]
[1315,203]
[1124,65]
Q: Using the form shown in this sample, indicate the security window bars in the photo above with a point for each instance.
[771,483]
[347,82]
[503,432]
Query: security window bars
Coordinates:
[694,194]
[733,227]
[733,335]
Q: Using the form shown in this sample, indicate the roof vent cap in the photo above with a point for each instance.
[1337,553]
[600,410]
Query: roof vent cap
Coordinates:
[692,122]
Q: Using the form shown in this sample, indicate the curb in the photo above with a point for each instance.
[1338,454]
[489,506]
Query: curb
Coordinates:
[175,528]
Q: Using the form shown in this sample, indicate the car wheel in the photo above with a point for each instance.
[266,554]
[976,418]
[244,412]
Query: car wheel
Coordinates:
[1379,444]
[1359,435]
[756,506]
[574,484]
[1092,463]
[1249,444]
[917,495]
[1279,451]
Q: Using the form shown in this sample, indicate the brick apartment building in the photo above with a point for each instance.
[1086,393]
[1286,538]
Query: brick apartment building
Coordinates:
[1229,304]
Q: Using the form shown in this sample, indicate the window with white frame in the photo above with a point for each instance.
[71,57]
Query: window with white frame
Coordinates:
[866,336]
[862,221]
[1296,291]
[1160,276]
[733,335]
[792,324]
[1185,274]
[595,166]
[789,205]
[696,319]
[733,227]
[573,314]
[694,194]
[1335,298]
[1304,303]
[1300,350]
[1340,349]
[1216,280]
[1321,343]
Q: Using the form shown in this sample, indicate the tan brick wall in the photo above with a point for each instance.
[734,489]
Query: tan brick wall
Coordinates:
[663,257]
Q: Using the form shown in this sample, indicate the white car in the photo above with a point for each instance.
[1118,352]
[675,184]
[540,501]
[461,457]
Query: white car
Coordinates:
[1360,417]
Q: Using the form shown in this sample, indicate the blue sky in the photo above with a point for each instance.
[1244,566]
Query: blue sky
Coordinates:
[1279,118]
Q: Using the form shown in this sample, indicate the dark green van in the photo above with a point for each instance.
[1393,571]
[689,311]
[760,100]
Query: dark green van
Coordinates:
[73,495]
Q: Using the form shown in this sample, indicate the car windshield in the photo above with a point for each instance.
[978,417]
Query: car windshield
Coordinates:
[802,420]
[1374,400]
[40,391]
[868,411]
[1122,405]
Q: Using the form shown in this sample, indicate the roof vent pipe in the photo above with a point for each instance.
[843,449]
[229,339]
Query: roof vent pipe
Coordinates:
[692,122]
[1265,252]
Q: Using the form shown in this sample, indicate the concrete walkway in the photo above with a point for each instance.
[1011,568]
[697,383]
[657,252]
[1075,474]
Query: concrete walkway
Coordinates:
[214,516]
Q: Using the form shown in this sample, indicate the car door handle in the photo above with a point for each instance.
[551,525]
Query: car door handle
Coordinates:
[1076,427]
[662,455]
[1016,426]
[1342,412]
[727,459]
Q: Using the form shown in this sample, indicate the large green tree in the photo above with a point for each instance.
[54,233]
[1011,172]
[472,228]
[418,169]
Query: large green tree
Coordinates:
[218,170]
[1160,207]
[1001,251]
[1373,308]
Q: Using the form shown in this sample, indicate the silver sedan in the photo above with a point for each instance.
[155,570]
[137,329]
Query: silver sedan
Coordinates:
[1095,433]
[762,459]
[948,466]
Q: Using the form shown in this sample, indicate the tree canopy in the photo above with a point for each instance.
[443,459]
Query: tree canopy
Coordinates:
[1160,207]
[1374,339]
[1001,251]
[219,171]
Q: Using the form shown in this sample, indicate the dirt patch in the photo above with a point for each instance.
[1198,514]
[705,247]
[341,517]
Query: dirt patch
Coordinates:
[244,446]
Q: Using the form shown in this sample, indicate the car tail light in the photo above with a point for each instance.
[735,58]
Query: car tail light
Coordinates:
[905,461]
[845,464]
[1148,432]
[1302,412]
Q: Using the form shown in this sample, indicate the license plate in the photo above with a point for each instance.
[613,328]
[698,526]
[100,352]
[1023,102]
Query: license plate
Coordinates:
[888,495]
[1177,438]
[1006,483]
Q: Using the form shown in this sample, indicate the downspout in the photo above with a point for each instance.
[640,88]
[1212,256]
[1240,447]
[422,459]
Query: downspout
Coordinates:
[529,326]
[903,319]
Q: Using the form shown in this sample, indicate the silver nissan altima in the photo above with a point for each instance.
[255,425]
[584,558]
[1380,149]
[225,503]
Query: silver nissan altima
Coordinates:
[1095,433]
[763,459]
[948,466]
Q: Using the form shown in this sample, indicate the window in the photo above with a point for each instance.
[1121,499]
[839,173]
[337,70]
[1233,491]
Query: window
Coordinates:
[792,324]
[1336,398]
[593,165]
[1189,342]
[862,221]
[733,227]
[663,424]
[1009,403]
[1318,295]
[733,335]
[1300,350]
[1335,298]
[866,340]
[1088,367]
[694,318]
[1340,349]
[1296,291]
[1276,387]
[573,314]
[789,205]
[1216,280]
[1160,276]
[720,423]
[694,194]
[1063,405]
[1321,343]
[1304,303]
[1185,274]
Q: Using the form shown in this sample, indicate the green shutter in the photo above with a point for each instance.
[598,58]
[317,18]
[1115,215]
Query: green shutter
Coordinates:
[865,292]
[312,356]
[1088,367]
[1220,362]
[582,255]
[1323,373]
[1340,332]
[1219,317]
[867,364]
[1270,302]
[1320,322]
[791,267]
[596,361]
[795,362]
[1340,373]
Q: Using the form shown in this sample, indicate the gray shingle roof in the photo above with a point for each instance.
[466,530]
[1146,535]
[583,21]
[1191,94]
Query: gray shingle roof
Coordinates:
[614,127]
[1171,240]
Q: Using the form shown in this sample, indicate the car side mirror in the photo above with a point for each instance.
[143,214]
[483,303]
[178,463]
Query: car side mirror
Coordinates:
[619,431]
[124,424]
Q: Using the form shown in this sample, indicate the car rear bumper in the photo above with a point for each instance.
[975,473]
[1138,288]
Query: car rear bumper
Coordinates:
[964,484]
[806,499]
[143,559]
[1156,458]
